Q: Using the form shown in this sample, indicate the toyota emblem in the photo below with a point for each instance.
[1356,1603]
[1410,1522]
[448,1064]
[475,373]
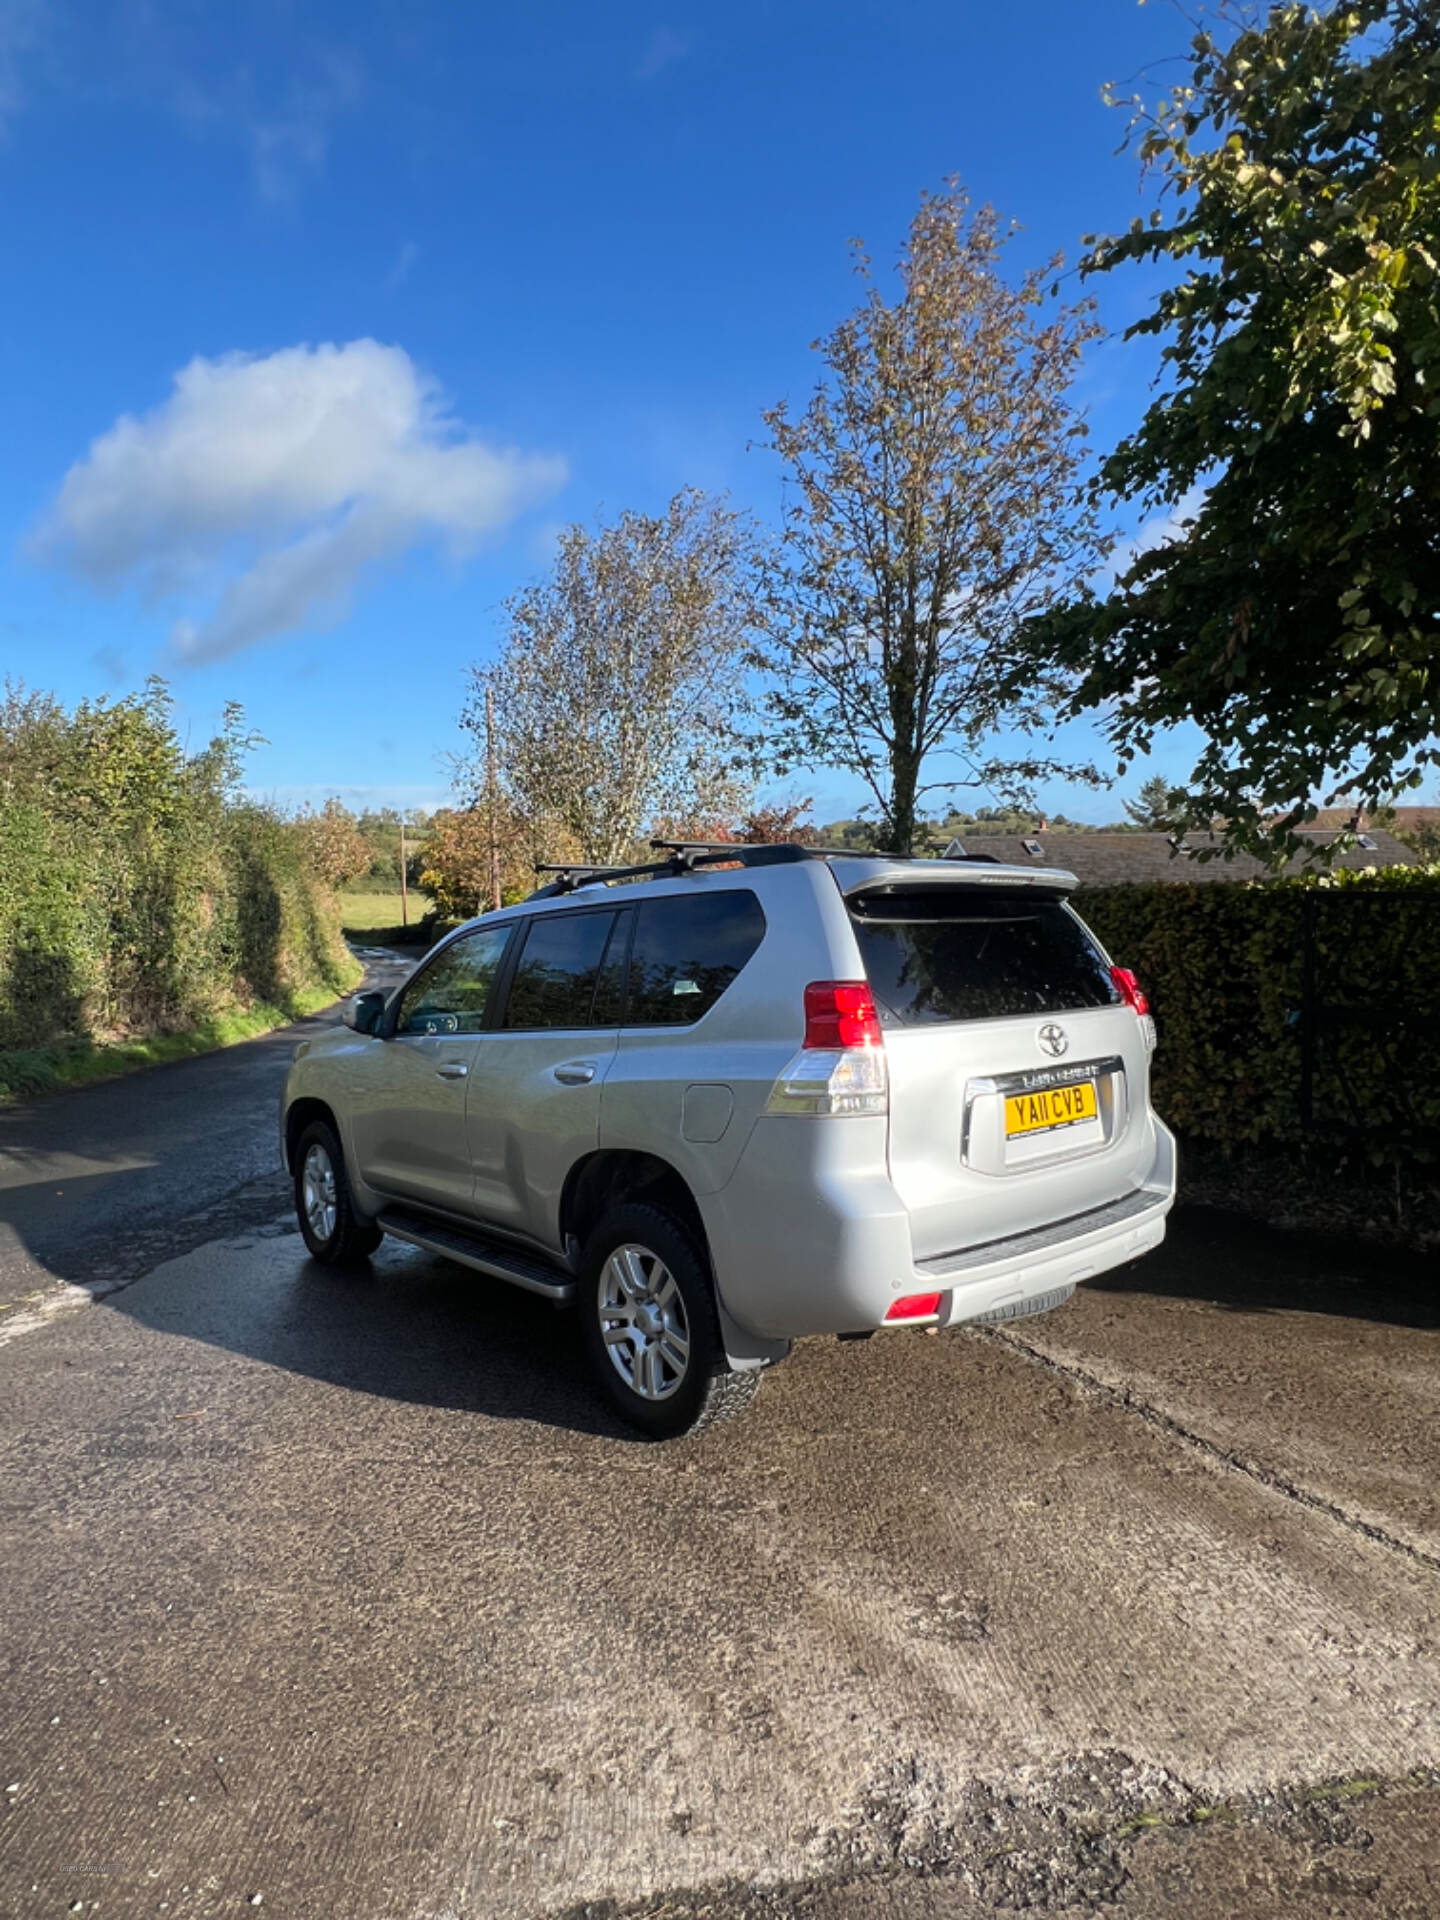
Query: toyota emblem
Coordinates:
[1053,1039]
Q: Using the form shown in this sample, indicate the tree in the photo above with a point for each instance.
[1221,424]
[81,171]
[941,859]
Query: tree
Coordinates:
[622,694]
[935,512]
[456,871]
[382,828]
[1024,821]
[1420,829]
[334,848]
[779,822]
[1156,807]
[774,823]
[1424,838]
[1294,609]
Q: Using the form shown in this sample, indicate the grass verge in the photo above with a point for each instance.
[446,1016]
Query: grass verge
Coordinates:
[78,1063]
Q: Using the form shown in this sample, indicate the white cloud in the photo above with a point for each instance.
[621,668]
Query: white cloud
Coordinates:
[256,497]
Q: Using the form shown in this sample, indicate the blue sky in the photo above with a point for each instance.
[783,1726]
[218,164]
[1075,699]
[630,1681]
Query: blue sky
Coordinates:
[563,254]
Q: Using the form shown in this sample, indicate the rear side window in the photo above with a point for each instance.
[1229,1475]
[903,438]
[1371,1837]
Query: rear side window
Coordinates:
[554,983]
[688,948]
[976,955]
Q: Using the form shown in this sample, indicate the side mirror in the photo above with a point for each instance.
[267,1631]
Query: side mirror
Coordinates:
[362,1012]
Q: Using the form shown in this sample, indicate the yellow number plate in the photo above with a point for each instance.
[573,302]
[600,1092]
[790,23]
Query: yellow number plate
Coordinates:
[1055,1107]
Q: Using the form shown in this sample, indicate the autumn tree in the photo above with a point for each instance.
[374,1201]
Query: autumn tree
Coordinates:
[621,695]
[334,848]
[771,823]
[1294,611]
[457,859]
[934,512]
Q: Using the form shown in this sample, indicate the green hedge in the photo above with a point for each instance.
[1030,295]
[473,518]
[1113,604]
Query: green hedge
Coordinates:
[1248,982]
[140,892]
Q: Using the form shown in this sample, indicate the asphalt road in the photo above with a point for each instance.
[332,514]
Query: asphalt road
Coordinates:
[95,1183]
[343,1595]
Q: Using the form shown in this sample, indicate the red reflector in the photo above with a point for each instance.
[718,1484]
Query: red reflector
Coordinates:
[914,1306]
[841,1013]
[1130,988]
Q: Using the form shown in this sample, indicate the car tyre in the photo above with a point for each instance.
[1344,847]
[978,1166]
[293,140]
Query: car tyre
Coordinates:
[333,1231]
[650,1328]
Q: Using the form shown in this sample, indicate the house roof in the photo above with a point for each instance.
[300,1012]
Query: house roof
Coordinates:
[1405,818]
[1117,859]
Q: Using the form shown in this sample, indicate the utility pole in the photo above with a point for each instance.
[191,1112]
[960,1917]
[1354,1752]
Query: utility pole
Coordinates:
[404,892]
[490,796]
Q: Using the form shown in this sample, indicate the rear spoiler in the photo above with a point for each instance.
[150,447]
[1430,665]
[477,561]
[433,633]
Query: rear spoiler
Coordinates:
[940,876]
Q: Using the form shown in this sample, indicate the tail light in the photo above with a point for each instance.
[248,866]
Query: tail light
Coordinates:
[912,1306]
[841,1013]
[1131,991]
[1133,994]
[840,1068]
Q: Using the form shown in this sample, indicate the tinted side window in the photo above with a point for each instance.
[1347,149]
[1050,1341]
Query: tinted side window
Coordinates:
[934,957]
[451,994]
[554,984]
[610,987]
[687,951]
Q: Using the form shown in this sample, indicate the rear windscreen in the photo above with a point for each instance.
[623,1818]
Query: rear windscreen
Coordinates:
[976,955]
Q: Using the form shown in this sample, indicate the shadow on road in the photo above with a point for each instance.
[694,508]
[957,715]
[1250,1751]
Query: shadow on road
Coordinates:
[1243,1266]
[410,1327]
[406,1327]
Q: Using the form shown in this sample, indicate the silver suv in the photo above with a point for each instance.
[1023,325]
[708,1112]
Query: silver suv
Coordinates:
[743,1095]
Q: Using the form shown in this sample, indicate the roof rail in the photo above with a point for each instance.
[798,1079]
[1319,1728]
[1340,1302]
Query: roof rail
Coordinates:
[756,853]
[569,877]
[684,857]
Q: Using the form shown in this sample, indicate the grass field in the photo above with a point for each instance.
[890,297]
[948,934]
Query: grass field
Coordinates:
[364,912]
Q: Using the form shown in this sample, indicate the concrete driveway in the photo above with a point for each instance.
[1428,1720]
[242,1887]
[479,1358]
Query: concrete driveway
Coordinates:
[342,1596]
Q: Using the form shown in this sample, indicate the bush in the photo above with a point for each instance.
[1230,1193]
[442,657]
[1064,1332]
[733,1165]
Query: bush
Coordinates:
[139,892]
[1292,1014]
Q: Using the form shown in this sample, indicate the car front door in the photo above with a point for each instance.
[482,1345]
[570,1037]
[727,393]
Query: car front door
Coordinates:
[409,1122]
[533,1102]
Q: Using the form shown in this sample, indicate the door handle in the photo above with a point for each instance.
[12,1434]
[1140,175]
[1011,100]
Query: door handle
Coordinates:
[575,1073]
[452,1070]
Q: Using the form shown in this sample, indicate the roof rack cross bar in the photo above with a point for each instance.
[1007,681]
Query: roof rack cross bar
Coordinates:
[687,856]
[572,866]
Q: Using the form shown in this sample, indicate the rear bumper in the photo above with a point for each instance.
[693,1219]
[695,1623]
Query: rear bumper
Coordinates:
[1008,1273]
[825,1247]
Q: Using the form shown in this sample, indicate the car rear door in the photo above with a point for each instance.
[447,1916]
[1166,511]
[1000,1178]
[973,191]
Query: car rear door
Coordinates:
[1019,1073]
[533,1101]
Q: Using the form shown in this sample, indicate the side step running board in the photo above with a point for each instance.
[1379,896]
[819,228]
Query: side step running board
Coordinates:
[478,1251]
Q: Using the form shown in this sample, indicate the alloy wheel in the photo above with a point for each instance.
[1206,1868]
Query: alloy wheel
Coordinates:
[317,1192]
[643,1322]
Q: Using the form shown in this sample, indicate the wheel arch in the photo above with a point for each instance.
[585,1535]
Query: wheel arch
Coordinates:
[612,1175]
[298,1115]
